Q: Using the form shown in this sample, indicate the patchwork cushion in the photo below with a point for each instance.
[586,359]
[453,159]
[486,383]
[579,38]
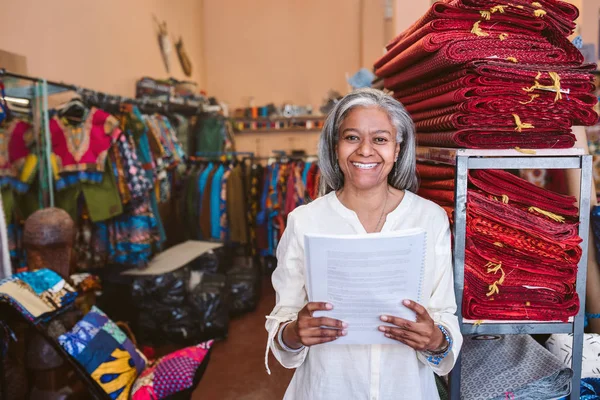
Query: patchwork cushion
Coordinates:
[105,352]
[175,374]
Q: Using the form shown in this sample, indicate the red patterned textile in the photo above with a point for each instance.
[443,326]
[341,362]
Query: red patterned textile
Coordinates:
[428,171]
[518,190]
[499,139]
[455,48]
[440,196]
[489,73]
[447,184]
[485,74]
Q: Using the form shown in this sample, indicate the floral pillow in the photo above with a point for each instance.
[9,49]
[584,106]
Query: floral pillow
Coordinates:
[105,352]
[174,375]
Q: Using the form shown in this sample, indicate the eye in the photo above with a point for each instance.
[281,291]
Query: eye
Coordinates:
[351,138]
[380,140]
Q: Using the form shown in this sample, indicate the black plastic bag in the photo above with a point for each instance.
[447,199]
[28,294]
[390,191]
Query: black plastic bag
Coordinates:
[210,304]
[207,262]
[244,281]
[167,289]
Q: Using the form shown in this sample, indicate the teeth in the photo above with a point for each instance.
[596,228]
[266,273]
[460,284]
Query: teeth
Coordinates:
[364,166]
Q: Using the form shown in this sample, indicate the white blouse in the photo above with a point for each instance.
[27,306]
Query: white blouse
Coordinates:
[370,372]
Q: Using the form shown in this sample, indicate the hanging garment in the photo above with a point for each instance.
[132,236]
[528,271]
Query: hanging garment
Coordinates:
[137,127]
[137,182]
[102,201]
[84,147]
[5,267]
[206,211]
[534,373]
[209,132]
[131,239]
[16,138]
[215,203]
[236,207]
[182,129]
[223,216]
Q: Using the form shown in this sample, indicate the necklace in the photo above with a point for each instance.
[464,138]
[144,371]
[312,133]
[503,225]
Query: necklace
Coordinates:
[382,212]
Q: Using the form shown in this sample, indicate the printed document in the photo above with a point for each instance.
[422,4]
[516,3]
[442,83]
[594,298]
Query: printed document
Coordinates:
[364,277]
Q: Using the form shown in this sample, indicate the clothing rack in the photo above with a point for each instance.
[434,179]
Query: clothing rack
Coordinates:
[105,100]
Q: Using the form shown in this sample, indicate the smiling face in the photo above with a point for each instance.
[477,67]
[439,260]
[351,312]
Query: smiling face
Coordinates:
[366,148]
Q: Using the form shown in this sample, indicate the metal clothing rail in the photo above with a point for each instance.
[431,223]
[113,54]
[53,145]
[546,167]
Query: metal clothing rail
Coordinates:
[465,160]
[106,100]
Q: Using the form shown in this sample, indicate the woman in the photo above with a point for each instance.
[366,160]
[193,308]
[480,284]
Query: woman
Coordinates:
[367,162]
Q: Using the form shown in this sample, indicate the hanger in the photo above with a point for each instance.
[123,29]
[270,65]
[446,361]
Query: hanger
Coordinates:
[74,110]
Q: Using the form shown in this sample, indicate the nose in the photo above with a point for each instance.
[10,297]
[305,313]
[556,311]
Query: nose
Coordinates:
[365,149]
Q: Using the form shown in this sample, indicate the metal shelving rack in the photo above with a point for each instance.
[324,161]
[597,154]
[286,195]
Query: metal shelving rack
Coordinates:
[467,159]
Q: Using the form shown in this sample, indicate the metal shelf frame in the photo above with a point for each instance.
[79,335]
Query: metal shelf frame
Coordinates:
[465,160]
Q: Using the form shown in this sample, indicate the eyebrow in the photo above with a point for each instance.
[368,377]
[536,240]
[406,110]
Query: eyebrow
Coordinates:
[358,131]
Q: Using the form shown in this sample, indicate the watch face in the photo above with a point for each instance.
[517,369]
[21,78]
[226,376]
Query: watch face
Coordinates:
[486,337]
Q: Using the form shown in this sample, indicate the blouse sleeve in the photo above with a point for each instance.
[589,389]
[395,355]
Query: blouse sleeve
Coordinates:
[442,304]
[291,297]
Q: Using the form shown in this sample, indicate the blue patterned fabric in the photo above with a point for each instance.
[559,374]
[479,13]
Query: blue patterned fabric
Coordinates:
[590,389]
[38,294]
[215,203]
[14,183]
[76,177]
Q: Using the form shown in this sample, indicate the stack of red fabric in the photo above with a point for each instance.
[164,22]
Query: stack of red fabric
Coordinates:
[522,245]
[436,183]
[522,250]
[486,74]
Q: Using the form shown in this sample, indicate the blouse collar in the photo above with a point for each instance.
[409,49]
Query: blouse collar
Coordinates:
[352,217]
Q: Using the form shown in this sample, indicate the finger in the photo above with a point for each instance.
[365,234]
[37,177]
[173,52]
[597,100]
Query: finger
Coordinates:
[407,335]
[315,341]
[399,322]
[417,308]
[327,322]
[318,306]
[321,332]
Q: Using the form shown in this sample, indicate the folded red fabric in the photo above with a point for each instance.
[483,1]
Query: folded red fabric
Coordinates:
[555,16]
[490,73]
[446,184]
[459,48]
[505,276]
[465,25]
[437,172]
[515,303]
[457,121]
[521,242]
[559,269]
[579,107]
[437,195]
[558,14]
[497,138]
[498,183]
[529,220]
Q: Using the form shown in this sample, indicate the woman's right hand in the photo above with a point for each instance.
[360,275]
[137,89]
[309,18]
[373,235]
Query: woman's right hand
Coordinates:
[308,330]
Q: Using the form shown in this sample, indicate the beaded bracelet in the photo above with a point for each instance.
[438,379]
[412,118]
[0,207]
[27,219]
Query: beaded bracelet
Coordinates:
[436,358]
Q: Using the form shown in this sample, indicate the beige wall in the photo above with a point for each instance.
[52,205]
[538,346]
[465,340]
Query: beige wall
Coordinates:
[288,50]
[104,45]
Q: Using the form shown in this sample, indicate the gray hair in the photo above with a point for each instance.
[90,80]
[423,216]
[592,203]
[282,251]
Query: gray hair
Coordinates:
[403,174]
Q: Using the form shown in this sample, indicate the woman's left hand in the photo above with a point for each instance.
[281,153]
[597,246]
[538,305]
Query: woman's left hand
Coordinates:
[421,335]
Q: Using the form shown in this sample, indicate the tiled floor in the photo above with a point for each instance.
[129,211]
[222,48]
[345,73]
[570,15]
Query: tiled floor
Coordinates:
[236,370]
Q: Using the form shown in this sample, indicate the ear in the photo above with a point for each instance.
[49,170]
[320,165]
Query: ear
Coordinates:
[397,152]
